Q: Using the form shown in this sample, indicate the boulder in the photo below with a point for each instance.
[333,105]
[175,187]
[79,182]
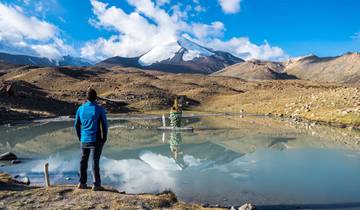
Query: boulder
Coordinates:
[15,161]
[25,180]
[8,156]
[247,206]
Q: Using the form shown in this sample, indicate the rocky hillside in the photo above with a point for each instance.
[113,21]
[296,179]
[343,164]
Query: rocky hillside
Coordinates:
[256,70]
[5,67]
[343,69]
[340,69]
[54,91]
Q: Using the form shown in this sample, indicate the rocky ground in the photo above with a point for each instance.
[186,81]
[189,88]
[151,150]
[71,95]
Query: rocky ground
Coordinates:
[28,92]
[17,196]
[298,101]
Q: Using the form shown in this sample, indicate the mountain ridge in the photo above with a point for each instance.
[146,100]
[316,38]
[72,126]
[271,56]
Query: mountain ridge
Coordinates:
[180,56]
[185,56]
[19,59]
[338,69]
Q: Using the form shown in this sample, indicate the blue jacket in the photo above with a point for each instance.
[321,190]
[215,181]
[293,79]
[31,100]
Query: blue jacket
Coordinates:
[91,123]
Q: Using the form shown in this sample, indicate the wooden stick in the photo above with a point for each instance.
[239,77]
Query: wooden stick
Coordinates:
[163,120]
[46,172]
[163,137]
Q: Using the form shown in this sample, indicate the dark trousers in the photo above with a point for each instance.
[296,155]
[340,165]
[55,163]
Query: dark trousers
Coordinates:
[95,150]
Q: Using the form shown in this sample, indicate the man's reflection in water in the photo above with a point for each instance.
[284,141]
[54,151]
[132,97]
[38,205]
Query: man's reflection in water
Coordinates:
[176,149]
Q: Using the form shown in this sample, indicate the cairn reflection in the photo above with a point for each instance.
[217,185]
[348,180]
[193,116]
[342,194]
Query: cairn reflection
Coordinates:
[176,149]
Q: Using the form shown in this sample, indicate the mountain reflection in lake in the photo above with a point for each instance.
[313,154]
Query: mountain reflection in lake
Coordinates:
[227,159]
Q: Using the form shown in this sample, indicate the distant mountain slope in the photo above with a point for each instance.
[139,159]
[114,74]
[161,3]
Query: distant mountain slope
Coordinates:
[37,61]
[119,61]
[5,67]
[74,61]
[181,56]
[345,68]
[256,70]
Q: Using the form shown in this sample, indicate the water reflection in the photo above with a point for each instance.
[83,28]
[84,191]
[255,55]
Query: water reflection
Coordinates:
[175,143]
[244,161]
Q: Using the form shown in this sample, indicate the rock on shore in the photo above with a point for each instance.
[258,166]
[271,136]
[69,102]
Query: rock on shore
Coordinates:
[8,156]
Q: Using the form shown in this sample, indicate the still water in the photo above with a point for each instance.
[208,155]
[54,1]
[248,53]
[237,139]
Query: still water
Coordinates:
[227,160]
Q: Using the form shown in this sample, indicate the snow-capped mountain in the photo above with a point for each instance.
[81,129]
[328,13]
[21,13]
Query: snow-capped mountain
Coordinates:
[38,61]
[181,56]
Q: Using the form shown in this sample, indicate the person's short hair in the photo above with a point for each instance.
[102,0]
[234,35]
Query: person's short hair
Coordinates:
[91,95]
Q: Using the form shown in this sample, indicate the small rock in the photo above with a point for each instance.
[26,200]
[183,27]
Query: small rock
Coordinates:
[247,206]
[68,178]
[15,161]
[8,156]
[25,180]
[344,113]
[205,205]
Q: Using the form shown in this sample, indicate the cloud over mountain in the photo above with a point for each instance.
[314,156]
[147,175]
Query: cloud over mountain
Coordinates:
[243,48]
[150,24]
[29,35]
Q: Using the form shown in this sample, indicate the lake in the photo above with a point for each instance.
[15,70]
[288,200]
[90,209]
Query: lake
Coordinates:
[227,160]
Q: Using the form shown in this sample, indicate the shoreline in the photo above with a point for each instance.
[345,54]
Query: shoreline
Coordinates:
[187,114]
[14,195]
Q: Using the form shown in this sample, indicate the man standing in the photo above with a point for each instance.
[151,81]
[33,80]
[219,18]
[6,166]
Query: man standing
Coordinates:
[91,128]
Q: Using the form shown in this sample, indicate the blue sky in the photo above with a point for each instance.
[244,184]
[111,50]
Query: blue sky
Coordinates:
[265,29]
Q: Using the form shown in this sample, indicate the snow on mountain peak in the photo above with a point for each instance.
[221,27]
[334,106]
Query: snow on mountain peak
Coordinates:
[168,51]
[160,53]
[193,50]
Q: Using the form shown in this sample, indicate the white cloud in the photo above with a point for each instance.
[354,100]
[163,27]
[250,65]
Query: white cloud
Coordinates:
[26,2]
[150,25]
[243,48]
[202,31]
[356,35]
[162,2]
[30,35]
[14,25]
[230,6]
[39,7]
[199,8]
[136,34]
